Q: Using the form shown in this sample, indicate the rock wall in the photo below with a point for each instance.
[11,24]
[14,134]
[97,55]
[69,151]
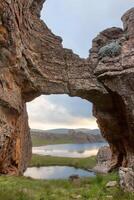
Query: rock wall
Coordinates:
[33,62]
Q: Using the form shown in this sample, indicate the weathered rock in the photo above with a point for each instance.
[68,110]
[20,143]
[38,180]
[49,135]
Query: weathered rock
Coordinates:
[126,179]
[111,184]
[103,160]
[33,62]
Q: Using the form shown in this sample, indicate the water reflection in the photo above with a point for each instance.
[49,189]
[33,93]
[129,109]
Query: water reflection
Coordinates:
[56,172]
[69,150]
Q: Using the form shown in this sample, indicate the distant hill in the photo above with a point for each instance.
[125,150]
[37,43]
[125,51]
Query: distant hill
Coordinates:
[90,131]
[62,136]
[66,131]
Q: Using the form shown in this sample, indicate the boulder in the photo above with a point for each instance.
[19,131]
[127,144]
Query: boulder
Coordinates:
[103,160]
[126,179]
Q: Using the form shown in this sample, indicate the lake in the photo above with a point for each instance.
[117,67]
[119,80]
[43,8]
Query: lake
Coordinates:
[69,150]
[63,150]
[56,172]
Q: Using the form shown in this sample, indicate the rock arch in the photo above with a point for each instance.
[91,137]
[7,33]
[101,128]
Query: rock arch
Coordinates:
[33,62]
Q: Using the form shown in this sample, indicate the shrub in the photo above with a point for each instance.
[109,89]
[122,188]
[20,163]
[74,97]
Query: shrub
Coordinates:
[111,50]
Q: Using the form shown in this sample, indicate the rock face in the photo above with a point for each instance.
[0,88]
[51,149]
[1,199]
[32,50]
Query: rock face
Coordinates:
[103,160]
[127,179]
[33,62]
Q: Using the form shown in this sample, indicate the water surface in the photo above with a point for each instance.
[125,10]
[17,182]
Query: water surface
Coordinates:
[69,150]
[56,172]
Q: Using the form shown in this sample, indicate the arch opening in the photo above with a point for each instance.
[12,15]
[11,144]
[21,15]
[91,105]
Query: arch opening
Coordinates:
[60,111]
[62,126]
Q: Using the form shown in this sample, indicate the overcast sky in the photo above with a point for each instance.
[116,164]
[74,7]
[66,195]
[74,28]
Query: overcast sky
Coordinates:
[77,22]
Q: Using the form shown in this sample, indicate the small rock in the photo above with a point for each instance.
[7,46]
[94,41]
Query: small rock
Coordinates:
[111,184]
[76,196]
[74,177]
[109,197]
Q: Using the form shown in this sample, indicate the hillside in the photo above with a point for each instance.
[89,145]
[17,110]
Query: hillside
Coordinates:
[62,136]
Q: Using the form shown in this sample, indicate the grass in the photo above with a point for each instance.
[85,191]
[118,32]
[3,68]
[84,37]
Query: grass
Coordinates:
[22,188]
[92,188]
[86,188]
[85,163]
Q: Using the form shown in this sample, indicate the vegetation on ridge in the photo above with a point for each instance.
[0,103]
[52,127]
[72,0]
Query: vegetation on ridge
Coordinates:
[112,49]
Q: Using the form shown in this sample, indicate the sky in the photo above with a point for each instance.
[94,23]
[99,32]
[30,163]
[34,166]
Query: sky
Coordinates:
[77,22]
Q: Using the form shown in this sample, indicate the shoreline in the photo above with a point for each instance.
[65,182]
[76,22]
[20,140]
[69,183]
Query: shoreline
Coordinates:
[45,161]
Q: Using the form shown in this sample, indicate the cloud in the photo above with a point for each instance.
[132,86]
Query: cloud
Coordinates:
[60,111]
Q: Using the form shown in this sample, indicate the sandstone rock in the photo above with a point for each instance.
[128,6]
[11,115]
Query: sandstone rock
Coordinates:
[103,160]
[104,154]
[126,179]
[33,62]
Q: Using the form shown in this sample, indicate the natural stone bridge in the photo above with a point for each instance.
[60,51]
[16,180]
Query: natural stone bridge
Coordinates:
[33,62]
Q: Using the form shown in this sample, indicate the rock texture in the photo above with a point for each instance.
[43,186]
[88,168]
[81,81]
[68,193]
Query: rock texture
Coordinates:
[103,160]
[127,179]
[33,62]
[112,184]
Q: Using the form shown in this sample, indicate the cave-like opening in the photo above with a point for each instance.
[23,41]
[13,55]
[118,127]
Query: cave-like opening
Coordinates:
[62,130]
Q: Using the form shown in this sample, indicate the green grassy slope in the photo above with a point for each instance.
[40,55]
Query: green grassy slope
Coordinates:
[86,163]
[21,188]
